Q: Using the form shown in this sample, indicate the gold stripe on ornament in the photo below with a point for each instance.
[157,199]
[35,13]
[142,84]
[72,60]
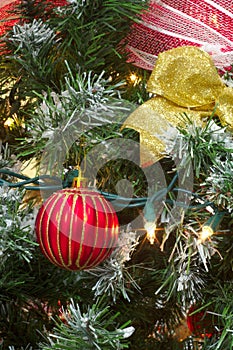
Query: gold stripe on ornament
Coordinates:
[71,229]
[77,263]
[59,217]
[42,210]
[93,203]
[57,197]
[116,227]
[53,259]
[99,200]
[106,228]
[114,230]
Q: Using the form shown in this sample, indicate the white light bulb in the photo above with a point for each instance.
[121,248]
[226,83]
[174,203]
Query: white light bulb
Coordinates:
[205,233]
[150,228]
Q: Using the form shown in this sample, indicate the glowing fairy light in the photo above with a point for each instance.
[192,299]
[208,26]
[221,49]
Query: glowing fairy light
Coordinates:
[210,227]
[134,79]
[150,228]
[13,122]
[9,122]
[205,233]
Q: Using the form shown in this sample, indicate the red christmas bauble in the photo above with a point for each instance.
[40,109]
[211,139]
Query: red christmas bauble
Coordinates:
[77,228]
[200,323]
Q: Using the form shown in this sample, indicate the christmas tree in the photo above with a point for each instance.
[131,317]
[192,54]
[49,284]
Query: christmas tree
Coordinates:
[116,185]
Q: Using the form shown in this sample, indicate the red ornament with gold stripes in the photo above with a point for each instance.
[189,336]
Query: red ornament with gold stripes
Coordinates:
[77,228]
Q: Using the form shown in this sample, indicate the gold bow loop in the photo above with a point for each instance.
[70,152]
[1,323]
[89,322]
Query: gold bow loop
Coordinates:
[184,80]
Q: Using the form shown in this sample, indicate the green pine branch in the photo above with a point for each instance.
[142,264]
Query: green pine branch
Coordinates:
[95,328]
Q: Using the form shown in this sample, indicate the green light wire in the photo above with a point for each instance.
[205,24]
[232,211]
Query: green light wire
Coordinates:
[119,201]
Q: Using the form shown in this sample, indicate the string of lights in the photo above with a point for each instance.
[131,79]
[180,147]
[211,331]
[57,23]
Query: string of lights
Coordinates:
[37,183]
[147,203]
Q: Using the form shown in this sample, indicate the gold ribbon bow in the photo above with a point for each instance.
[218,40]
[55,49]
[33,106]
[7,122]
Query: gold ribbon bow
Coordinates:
[184,80]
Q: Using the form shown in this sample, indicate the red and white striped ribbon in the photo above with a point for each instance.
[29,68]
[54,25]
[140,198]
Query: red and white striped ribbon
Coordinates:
[167,24]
